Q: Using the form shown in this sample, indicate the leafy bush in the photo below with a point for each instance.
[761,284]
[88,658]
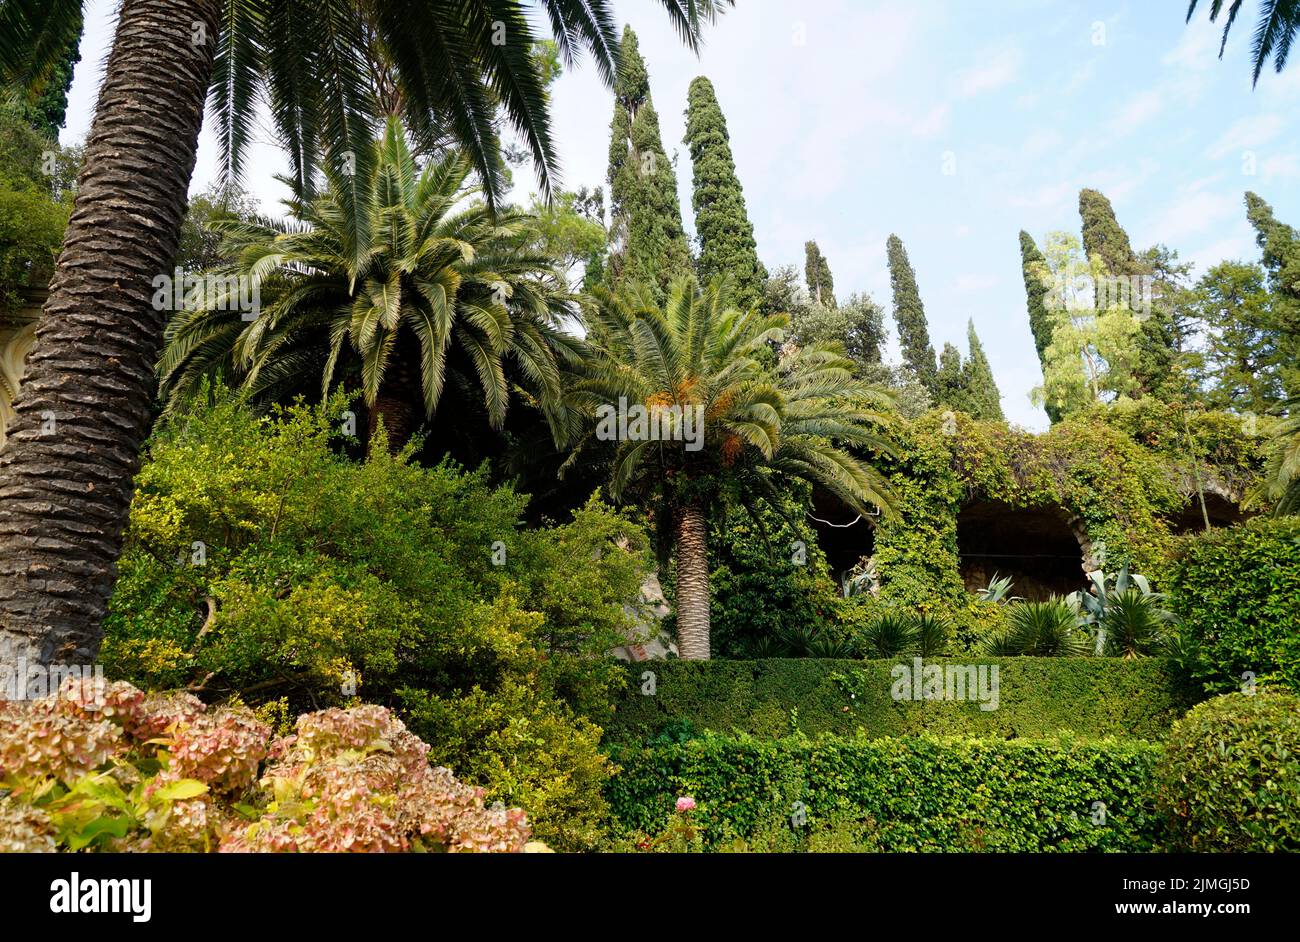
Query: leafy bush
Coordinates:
[1037,697]
[263,566]
[1230,779]
[900,634]
[1041,629]
[107,767]
[1128,618]
[1235,591]
[918,794]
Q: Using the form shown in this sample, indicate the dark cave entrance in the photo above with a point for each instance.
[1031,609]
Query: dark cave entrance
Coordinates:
[1222,513]
[1034,546]
[843,535]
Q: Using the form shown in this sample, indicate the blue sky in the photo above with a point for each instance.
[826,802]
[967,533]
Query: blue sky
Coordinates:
[843,116]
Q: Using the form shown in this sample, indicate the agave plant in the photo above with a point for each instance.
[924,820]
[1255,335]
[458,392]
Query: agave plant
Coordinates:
[1125,616]
[862,579]
[1039,629]
[997,591]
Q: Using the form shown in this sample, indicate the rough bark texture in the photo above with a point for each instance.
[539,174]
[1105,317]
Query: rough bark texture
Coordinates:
[692,584]
[84,410]
[398,400]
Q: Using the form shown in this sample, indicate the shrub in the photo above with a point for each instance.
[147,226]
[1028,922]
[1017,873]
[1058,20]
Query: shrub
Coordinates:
[916,794]
[1235,591]
[262,565]
[1042,629]
[1038,697]
[107,767]
[1230,779]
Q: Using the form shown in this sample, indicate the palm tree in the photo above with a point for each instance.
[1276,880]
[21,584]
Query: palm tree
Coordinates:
[697,417]
[1274,31]
[1280,485]
[404,276]
[74,445]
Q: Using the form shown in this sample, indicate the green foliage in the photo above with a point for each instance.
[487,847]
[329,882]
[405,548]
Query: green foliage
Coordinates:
[1235,591]
[200,246]
[1230,777]
[388,281]
[648,240]
[916,794]
[817,275]
[37,183]
[1245,362]
[726,236]
[909,314]
[262,565]
[1041,629]
[1127,618]
[857,324]
[977,377]
[771,594]
[1038,697]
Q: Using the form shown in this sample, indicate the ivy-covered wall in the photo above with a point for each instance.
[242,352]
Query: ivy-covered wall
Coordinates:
[1120,478]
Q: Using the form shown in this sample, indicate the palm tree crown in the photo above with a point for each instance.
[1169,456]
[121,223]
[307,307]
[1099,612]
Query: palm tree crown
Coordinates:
[371,274]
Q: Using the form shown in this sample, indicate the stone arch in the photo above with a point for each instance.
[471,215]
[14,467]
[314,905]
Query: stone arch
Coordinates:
[1220,506]
[1042,549]
[15,344]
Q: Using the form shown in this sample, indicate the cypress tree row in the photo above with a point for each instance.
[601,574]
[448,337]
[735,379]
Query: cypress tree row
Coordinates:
[982,389]
[909,313]
[648,239]
[818,273]
[726,236]
[1032,265]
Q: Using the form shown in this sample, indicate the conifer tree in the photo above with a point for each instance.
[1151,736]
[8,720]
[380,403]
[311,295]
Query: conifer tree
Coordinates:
[986,401]
[726,236]
[1280,247]
[909,314]
[1034,269]
[1106,241]
[821,286]
[950,381]
[649,241]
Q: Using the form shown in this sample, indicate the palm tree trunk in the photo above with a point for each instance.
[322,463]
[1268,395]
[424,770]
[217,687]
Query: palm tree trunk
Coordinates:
[692,583]
[84,410]
[398,401]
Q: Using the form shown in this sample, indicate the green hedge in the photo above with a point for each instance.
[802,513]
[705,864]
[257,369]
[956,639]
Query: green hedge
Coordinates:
[1038,697]
[916,794]
[1237,591]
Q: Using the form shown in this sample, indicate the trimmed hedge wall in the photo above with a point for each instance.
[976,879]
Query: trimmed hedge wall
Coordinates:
[1237,591]
[919,794]
[1038,697]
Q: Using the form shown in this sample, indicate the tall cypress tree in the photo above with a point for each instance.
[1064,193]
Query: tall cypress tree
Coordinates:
[1280,247]
[818,273]
[647,234]
[1032,266]
[725,233]
[1106,240]
[982,389]
[909,314]
[950,382]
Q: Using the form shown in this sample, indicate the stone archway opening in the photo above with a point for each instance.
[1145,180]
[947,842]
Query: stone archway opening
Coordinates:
[1035,546]
[844,535]
[1222,511]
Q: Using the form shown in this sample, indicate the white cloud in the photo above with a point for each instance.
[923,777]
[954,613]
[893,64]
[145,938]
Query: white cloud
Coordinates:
[1194,213]
[996,68]
[1247,133]
[1197,47]
[970,283]
[1140,109]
